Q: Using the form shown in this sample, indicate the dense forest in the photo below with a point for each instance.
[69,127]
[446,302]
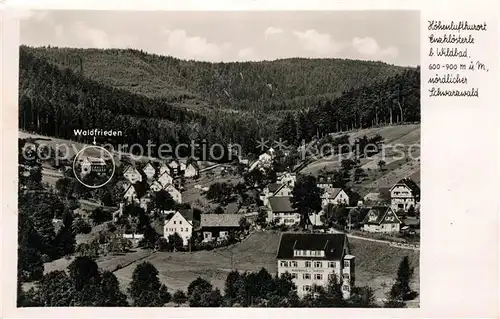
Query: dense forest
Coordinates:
[166,100]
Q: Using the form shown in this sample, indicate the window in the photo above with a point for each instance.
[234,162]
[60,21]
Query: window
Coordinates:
[174,222]
[331,264]
[346,263]
[294,264]
[182,229]
[308,264]
[206,235]
[306,288]
[294,275]
[318,264]
[284,263]
[180,222]
[318,276]
[306,276]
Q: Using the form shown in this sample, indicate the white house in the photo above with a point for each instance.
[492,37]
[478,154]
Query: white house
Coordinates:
[312,259]
[180,223]
[191,170]
[404,194]
[156,186]
[335,196]
[281,211]
[165,179]
[163,168]
[284,190]
[381,219]
[130,195]
[132,175]
[149,170]
[176,195]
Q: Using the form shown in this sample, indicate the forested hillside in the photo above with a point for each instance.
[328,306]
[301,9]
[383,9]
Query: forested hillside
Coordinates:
[166,100]
[252,86]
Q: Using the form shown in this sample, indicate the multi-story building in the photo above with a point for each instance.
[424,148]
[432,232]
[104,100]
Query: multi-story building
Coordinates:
[313,258]
[281,211]
[335,196]
[404,194]
[381,219]
[180,223]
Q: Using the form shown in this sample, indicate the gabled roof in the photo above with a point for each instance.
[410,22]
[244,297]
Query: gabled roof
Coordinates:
[149,164]
[281,204]
[186,213]
[220,220]
[194,164]
[331,244]
[332,192]
[380,212]
[131,168]
[273,187]
[408,182]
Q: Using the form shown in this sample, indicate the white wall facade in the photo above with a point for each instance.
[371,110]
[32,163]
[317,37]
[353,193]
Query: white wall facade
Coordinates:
[178,224]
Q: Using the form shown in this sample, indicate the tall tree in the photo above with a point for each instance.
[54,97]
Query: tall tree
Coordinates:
[306,198]
[145,288]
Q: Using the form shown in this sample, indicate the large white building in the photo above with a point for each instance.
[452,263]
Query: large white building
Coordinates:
[314,258]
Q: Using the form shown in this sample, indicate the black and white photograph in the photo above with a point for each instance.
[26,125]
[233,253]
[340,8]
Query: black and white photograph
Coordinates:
[219,159]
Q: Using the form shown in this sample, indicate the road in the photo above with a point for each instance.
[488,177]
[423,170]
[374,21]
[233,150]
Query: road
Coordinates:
[390,243]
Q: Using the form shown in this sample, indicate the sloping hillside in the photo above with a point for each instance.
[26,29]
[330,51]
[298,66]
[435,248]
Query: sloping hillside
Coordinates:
[401,156]
[268,85]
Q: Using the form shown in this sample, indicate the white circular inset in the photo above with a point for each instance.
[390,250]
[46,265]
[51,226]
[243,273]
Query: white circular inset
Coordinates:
[86,162]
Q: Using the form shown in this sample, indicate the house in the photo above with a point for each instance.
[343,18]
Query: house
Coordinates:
[165,179]
[149,170]
[192,170]
[269,191]
[163,168]
[176,195]
[325,182]
[174,166]
[132,175]
[404,194]
[314,258]
[156,186]
[381,219]
[281,211]
[288,179]
[130,195]
[315,219]
[180,223]
[218,226]
[335,196]
[283,190]
[92,164]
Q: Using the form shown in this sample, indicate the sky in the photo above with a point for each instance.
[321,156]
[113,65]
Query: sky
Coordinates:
[389,36]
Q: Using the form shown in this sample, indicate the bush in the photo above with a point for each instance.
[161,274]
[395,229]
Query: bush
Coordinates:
[80,226]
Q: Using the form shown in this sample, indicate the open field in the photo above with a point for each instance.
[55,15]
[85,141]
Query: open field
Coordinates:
[376,263]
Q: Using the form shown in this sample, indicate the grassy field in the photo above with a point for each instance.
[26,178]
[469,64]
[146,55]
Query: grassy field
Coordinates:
[376,263]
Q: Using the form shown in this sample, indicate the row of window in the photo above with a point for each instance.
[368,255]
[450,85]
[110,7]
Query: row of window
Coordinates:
[307,288]
[316,264]
[316,253]
[174,229]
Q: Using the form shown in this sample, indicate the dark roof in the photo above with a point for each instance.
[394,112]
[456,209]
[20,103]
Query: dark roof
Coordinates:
[220,220]
[273,187]
[408,182]
[187,213]
[281,204]
[331,244]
